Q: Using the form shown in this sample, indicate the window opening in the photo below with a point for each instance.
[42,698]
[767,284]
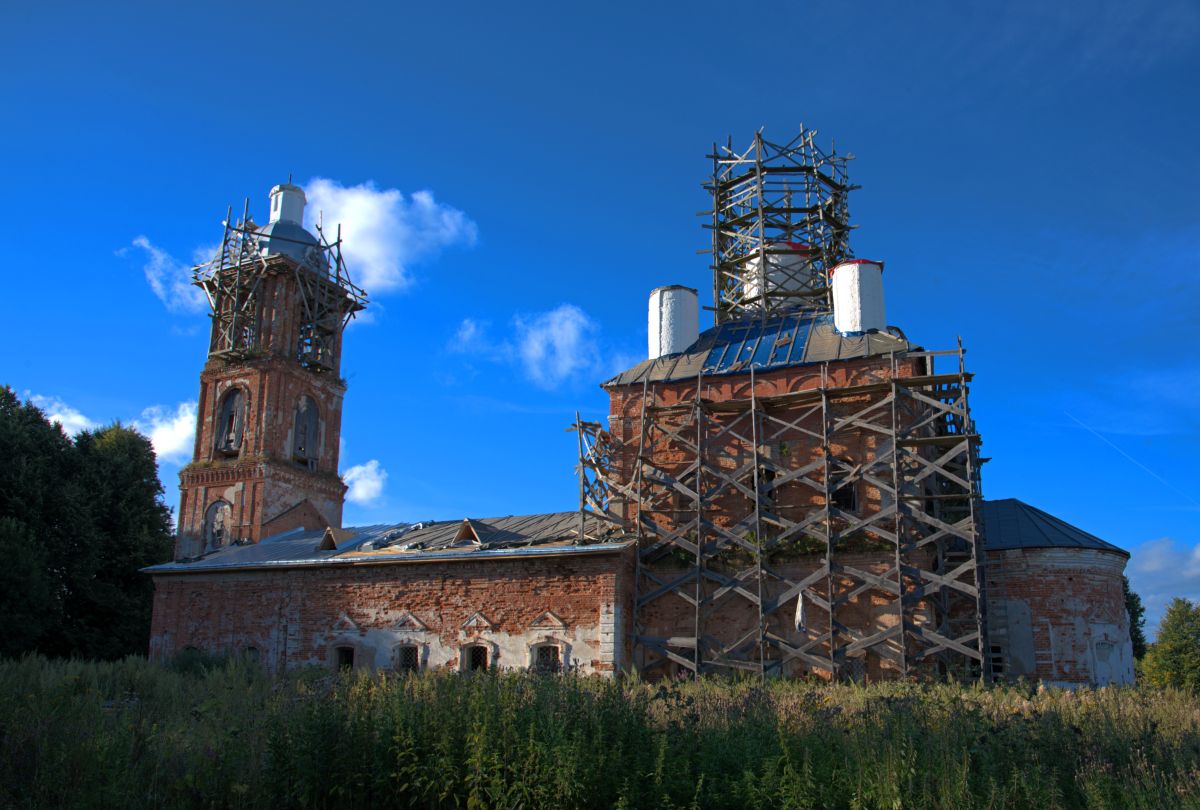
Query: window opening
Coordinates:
[766,477]
[408,658]
[477,658]
[997,660]
[845,498]
[546,659]
[304,432]
[217,525]
[230,422]
[345,658]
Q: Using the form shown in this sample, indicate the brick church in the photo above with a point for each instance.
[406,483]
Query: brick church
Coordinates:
[792,492]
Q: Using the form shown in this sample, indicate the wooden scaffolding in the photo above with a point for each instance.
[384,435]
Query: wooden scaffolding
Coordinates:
[780,223]
[714,491]
[233,282]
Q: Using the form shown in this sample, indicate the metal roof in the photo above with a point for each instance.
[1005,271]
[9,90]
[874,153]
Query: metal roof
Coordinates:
[735,347]
[519,535]
[1010,524]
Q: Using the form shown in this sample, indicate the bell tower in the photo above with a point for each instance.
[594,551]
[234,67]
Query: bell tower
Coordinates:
[270,407]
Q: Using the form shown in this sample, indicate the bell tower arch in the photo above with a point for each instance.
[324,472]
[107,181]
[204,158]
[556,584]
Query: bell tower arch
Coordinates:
[270,405]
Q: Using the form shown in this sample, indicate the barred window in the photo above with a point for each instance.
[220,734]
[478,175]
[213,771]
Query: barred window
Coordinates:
[475,658]
[408,658]
[546,658]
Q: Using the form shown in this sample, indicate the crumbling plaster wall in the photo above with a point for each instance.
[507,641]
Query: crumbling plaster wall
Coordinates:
[1058,615]
[300,616]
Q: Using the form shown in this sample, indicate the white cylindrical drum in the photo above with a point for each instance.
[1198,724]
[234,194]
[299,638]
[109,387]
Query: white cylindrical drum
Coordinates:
[858,297]
[674,320]
[287,203]
[784,273]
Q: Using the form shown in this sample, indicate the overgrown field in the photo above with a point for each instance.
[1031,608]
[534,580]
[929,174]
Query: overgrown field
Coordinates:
[131,734]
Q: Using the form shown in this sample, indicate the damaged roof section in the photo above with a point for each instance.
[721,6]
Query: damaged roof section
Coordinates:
[735,347]
[535,535]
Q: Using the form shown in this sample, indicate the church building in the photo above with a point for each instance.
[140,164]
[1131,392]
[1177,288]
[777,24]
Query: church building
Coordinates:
[793,492]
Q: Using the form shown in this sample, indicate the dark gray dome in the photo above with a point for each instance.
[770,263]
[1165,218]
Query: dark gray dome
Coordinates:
[286,239]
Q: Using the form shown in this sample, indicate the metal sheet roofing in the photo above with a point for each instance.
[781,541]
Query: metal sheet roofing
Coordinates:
[1010,524]
[519,535]
[735,347]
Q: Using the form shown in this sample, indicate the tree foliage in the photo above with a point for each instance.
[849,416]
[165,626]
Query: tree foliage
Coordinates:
[1174,657]
[1137,619]
[78,519]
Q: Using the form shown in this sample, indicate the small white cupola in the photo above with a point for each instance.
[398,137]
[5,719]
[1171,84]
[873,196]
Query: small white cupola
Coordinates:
[287,203]
[284,234]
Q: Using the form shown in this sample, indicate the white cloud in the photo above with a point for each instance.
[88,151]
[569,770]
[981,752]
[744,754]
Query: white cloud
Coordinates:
[468,335]
[365,481]
[56,410]
[555,346]
[383,231]
[551,348]
[172,433]
[474,337]
[171,279]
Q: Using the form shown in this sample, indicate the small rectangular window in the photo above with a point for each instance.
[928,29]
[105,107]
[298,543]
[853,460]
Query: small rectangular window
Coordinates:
[477,658]
[846,498]
[408,658]
[546,659]
[997,660]
[345,658]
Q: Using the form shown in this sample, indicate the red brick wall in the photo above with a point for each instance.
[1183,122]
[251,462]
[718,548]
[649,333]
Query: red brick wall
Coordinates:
[299,616]
[1058,615]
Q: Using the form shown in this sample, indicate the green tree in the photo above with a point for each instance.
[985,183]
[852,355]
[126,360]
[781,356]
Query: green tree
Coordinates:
[108,609]
[78,520]
[1174,657]
[1137,619]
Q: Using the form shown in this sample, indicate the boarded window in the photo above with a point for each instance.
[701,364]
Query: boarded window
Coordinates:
[230,420]
[344,658]
[546,658]
[408,658]
[304,432]
[475,658]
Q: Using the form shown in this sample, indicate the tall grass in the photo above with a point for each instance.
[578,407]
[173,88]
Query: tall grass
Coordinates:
[220,734]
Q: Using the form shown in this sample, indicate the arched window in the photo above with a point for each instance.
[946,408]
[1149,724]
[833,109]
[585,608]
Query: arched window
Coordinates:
[230,422]
[304,432]
[217,525]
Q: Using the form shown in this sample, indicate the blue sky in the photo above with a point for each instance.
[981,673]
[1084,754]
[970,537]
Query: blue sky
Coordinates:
[521,177]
